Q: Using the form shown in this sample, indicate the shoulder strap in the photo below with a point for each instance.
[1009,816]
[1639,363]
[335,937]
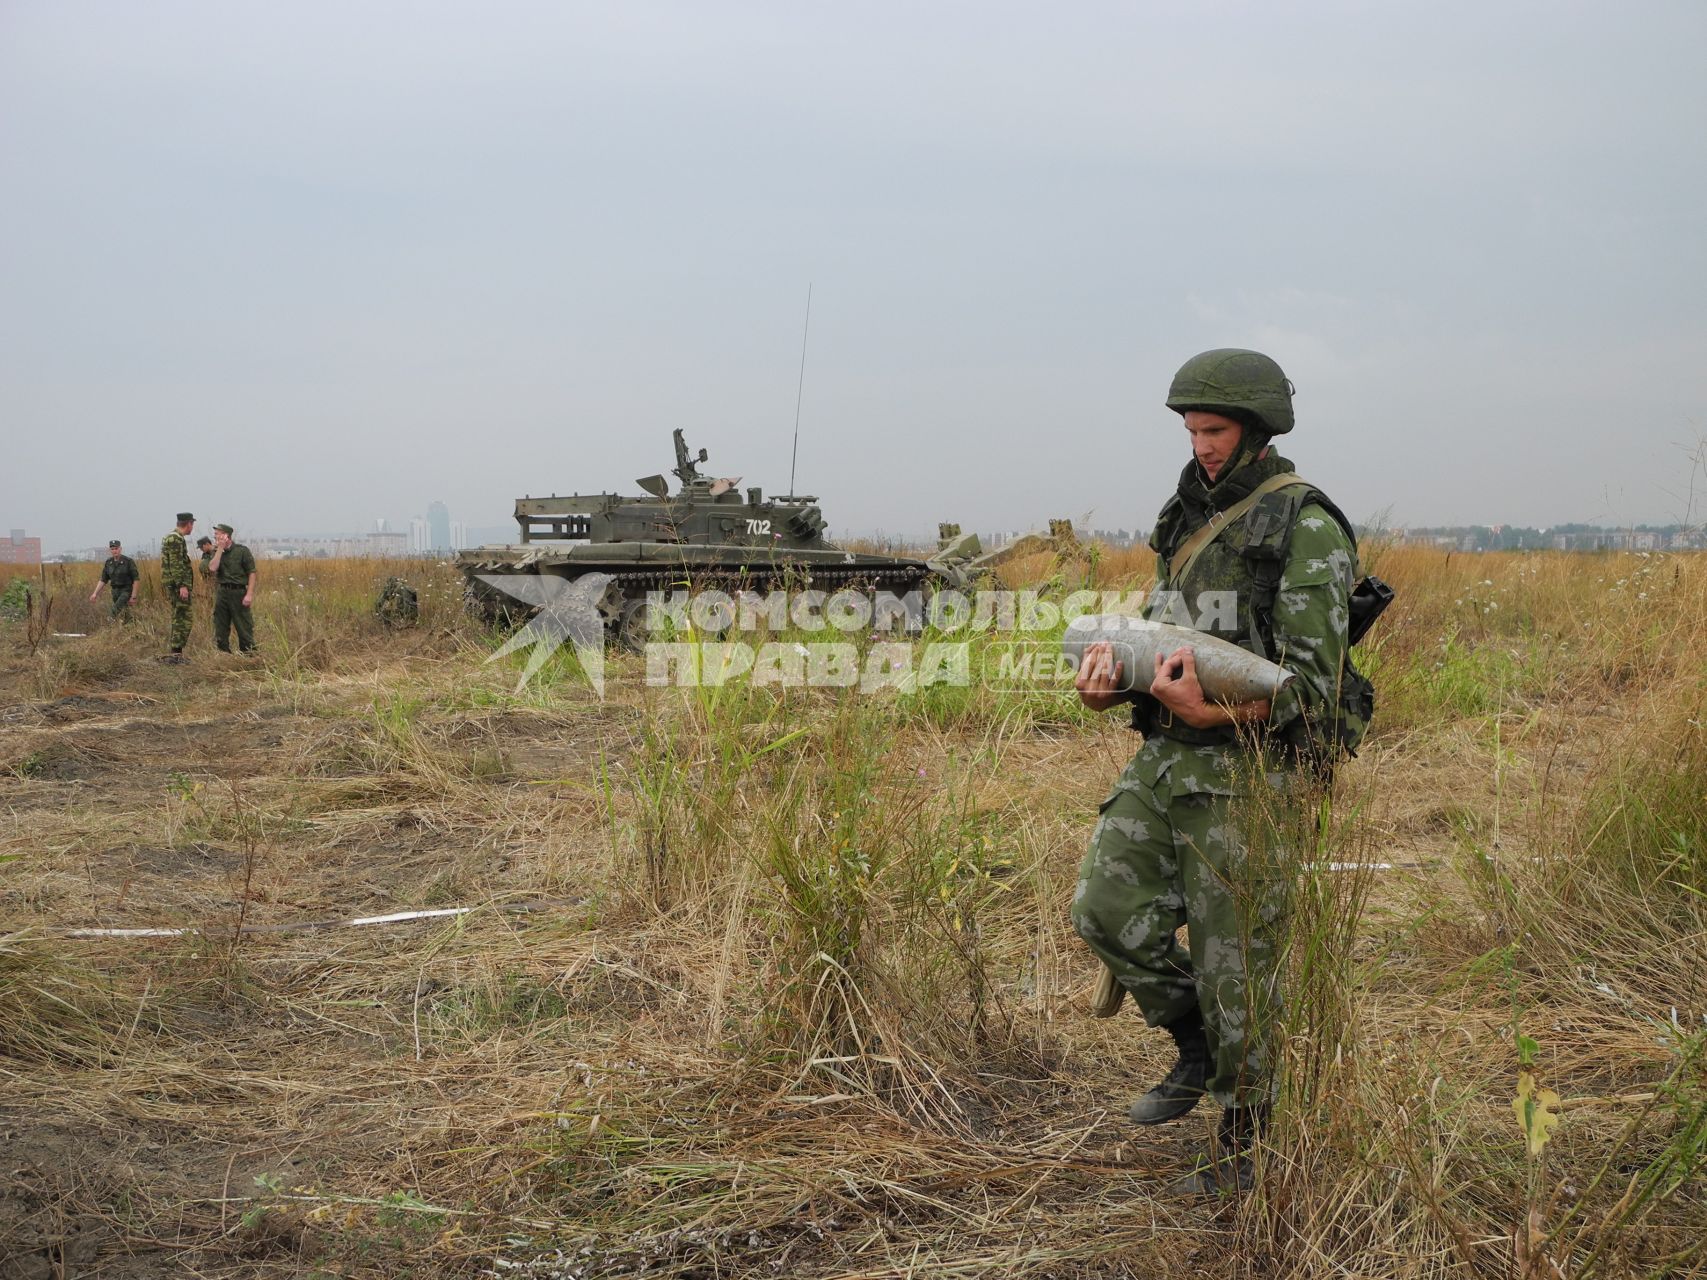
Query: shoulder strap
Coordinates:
[1193,546]
[1327,504]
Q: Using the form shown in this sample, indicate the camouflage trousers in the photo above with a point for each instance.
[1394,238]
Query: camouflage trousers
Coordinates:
[119,609]
[1158,861]
[180,621]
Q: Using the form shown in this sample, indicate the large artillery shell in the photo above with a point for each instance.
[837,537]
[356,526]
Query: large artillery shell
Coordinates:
[1227,673]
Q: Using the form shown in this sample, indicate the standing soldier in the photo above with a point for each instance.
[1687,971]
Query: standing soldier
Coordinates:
[1174,844]
[204,574]
[175,575]
[234,578]
[120,573]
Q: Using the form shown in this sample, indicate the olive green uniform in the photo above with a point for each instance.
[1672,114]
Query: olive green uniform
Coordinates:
[175,572]
[231,583]
[121,574]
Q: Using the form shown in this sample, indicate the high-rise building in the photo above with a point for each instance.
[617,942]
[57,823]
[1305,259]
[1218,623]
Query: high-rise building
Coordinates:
[458,535]
[438,526]
[419,538]
[18,549]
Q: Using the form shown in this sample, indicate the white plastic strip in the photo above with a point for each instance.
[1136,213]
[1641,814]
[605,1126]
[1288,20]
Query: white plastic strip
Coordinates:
[353,922]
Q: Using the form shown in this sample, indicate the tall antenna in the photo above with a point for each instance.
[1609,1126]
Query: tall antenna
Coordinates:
[801,389]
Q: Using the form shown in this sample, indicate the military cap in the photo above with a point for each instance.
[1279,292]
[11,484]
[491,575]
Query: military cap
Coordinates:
[204,541]
[224,528]
[184,517]
[113,542]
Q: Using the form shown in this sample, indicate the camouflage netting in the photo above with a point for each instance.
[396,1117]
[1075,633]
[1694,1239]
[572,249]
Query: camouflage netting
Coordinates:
[398,605]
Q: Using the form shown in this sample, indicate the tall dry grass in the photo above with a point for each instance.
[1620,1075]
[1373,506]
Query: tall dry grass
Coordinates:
[815,1008]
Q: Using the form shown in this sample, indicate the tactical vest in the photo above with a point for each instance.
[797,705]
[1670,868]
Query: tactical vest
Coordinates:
[1247,559]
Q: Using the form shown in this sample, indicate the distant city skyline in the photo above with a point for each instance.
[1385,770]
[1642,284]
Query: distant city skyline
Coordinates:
[410,537]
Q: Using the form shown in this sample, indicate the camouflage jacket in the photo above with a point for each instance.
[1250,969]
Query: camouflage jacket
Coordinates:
[1314,567]
[174,562]
[206,565]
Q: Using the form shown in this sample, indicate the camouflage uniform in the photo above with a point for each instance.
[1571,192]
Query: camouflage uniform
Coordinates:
[1195,831]
[175,572]
[1175,842]
[120,573]
[232,582]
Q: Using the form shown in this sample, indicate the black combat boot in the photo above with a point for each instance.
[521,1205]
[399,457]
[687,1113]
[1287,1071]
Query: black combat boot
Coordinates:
[1183,1086]
[1227,1167]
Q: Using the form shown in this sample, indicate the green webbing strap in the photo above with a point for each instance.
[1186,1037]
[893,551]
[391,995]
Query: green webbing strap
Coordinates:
[1193,546]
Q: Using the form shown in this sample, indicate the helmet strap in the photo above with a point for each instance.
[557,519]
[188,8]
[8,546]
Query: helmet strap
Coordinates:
[1253,447]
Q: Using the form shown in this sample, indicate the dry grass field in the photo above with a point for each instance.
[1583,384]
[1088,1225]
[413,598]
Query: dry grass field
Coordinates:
[759,982]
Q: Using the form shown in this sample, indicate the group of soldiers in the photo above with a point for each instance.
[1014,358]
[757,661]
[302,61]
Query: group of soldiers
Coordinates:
[225,564]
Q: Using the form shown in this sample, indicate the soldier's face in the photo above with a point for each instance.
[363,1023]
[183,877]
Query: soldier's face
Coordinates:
[115,552]
[1214,440]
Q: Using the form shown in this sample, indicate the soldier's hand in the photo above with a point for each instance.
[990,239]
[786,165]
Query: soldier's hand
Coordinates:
[183,593]
[1177,688]
[1098,678]
[248,599]
[1175,685]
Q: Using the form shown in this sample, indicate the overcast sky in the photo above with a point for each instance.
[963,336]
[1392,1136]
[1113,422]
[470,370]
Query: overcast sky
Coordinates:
[298,265]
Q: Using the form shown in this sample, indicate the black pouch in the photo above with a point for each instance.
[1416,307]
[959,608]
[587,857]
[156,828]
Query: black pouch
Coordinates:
[1368,598]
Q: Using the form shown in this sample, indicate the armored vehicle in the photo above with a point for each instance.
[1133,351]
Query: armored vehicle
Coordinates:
[707,533]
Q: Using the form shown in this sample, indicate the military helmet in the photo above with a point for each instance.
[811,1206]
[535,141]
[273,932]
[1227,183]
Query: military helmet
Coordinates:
[1243,385]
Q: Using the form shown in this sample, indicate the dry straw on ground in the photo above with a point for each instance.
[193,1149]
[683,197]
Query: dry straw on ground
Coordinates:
[807,1002]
